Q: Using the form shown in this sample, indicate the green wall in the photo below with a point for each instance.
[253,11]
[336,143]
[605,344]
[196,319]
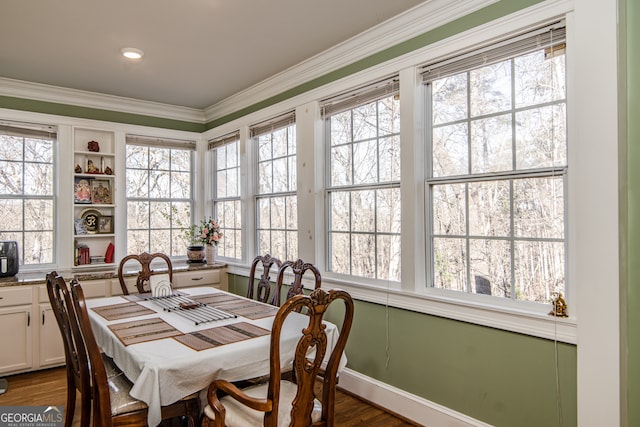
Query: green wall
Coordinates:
[499,377]
[631,233]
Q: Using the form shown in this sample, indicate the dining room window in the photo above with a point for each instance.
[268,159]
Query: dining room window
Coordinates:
[159,194]
[274,142]
[497,168]
[27,190]
[227,205]
[362,129]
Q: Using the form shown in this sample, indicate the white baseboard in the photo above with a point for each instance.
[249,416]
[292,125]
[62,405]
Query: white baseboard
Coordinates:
[414,408]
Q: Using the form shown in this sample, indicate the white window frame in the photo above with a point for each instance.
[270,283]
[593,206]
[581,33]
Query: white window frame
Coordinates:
[349,101]
[267,129]
[45,132]
[232,229]
[529,42]
[176,230]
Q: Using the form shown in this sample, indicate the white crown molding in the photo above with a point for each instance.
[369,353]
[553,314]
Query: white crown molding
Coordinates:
[56,94]
[416,21]
[408,405]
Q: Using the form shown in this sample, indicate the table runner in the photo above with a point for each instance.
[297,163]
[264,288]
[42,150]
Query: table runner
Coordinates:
[221,335]
[122,311]
[138,331]
[145,296]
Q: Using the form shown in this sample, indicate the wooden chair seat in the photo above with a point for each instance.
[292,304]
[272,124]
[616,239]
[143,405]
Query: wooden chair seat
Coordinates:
[237,414]
[121,401]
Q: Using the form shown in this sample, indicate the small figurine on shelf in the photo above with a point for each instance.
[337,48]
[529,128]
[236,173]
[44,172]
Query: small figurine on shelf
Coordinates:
[93,146]
[91,168]
[108,171]
[78,169]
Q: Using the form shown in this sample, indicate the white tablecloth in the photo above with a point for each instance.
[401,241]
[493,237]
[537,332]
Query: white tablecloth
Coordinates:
[164,371]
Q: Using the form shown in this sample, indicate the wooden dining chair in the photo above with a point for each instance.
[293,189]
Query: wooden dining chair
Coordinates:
[263,289]
[76,382]
[281,402]
[61,312]
[112,405]
[145,272]
[298,267]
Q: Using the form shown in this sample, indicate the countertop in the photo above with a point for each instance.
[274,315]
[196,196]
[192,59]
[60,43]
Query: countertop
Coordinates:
[111,272]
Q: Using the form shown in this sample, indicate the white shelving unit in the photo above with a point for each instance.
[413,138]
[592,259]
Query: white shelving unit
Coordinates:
[93,197]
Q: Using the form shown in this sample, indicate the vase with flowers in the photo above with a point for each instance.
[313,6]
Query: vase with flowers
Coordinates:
[210,235]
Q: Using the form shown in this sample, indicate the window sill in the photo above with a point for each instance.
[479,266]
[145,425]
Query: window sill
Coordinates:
[527,319]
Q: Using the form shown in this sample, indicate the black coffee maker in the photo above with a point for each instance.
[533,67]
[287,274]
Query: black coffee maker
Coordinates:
[9,261]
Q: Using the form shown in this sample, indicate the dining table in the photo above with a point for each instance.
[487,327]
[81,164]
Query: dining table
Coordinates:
[173,346]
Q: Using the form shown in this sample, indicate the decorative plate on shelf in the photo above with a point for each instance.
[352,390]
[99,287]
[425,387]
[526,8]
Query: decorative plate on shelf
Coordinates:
[90,218]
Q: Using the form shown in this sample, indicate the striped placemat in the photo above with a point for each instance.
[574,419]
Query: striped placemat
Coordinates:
[221,335]
[122,311]
[138,331]
[237,305]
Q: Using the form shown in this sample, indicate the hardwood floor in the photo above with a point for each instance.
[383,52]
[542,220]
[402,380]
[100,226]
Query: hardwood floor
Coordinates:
[48,387]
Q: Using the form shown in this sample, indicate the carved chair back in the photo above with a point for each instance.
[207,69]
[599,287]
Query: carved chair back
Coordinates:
[298,268]
[145,272]
[306,368]
[263,289]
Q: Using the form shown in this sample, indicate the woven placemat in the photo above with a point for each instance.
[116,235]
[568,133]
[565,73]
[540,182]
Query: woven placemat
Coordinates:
[122,311]
[138,331]
[237,305]
[214,299]
[221,335]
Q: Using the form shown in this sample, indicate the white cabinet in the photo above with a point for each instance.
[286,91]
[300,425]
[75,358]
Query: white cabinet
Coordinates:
[16,329]
[51,346]
[215,278]
[93,197]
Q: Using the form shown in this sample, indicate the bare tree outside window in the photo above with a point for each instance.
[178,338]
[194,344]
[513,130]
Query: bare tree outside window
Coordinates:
[276,201]
[364,189]
[498,176]
[27,194]
[227,205]
[159,200]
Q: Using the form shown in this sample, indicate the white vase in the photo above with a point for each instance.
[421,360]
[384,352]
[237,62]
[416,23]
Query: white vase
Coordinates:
[210,254]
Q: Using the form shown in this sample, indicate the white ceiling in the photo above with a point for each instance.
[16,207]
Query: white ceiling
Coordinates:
[197,52]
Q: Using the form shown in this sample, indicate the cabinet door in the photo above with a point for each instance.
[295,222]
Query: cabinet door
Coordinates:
[50,339]
[16,333]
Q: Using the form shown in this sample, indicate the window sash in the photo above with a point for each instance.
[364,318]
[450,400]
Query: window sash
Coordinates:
[551,39]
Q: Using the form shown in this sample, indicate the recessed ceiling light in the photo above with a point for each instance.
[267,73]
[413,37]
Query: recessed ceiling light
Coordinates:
[132,53]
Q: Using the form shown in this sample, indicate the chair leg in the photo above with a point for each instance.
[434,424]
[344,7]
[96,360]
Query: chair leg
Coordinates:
[71,404]
[192,411]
